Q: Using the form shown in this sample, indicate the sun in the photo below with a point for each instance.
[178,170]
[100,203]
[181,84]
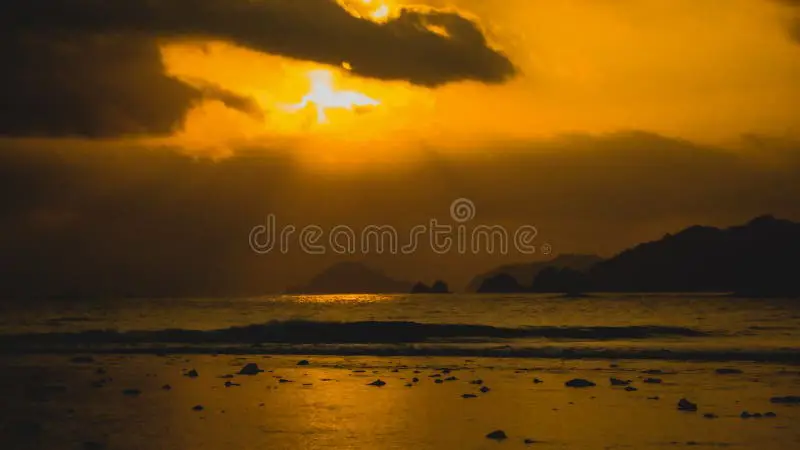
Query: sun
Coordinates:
[379,11]
[323,96]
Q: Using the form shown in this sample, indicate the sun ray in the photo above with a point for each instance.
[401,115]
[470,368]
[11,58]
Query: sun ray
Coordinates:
[323,96]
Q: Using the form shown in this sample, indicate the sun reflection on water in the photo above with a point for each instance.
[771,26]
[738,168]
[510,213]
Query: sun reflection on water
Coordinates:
[345,298]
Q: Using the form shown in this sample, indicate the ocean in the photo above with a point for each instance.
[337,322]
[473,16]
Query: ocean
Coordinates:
[607,326]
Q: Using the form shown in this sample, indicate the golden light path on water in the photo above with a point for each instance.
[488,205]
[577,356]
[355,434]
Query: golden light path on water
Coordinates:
[343,298]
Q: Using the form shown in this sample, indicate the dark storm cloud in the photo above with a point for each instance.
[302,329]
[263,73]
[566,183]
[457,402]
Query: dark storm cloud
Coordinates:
[87,85]
[315,30]
[132,221]
[93,85]
[92,67]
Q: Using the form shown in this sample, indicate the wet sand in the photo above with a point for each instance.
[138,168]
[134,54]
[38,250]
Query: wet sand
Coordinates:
[120,402]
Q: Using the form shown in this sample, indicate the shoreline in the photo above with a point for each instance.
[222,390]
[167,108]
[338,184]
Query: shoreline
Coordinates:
[130,402]
[776,356]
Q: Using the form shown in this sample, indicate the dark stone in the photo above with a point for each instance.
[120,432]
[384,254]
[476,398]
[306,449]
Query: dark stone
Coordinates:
[686,405]
[497,435]
[618,382]
[789,399]
[579,383]
[725,371]
[250,369]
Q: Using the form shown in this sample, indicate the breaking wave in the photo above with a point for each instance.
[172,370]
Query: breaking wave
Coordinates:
[309,332]
[402,339]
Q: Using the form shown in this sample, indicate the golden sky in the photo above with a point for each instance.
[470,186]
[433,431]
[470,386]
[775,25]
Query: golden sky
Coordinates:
[141,141]
[708,71]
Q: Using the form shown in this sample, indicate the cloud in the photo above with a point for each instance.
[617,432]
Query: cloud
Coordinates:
[403,48]
[230,99]
[795,30]
[93,68]
[794,27]
[93,85]
[135,221]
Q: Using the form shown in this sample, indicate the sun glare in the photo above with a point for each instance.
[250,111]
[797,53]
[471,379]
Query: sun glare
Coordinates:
[382,13]
[323,96]
[374,10]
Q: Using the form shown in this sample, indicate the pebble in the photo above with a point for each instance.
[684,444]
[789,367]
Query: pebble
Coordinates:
[579,383]
[727,371]
[686,405]
[250,369]
[789,399]
[497,435]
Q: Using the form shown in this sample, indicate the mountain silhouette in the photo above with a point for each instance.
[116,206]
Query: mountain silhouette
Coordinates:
[352,278]
[438,287]
[502,283]
[525,273]
[755,259]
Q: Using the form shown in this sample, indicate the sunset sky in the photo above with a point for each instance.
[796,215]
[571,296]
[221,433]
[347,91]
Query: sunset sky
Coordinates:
[141,140]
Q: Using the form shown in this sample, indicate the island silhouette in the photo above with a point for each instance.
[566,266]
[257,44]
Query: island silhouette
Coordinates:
[756,259]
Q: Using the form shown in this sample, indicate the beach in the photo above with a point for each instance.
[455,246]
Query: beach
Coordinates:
[165,374]
[156,402]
